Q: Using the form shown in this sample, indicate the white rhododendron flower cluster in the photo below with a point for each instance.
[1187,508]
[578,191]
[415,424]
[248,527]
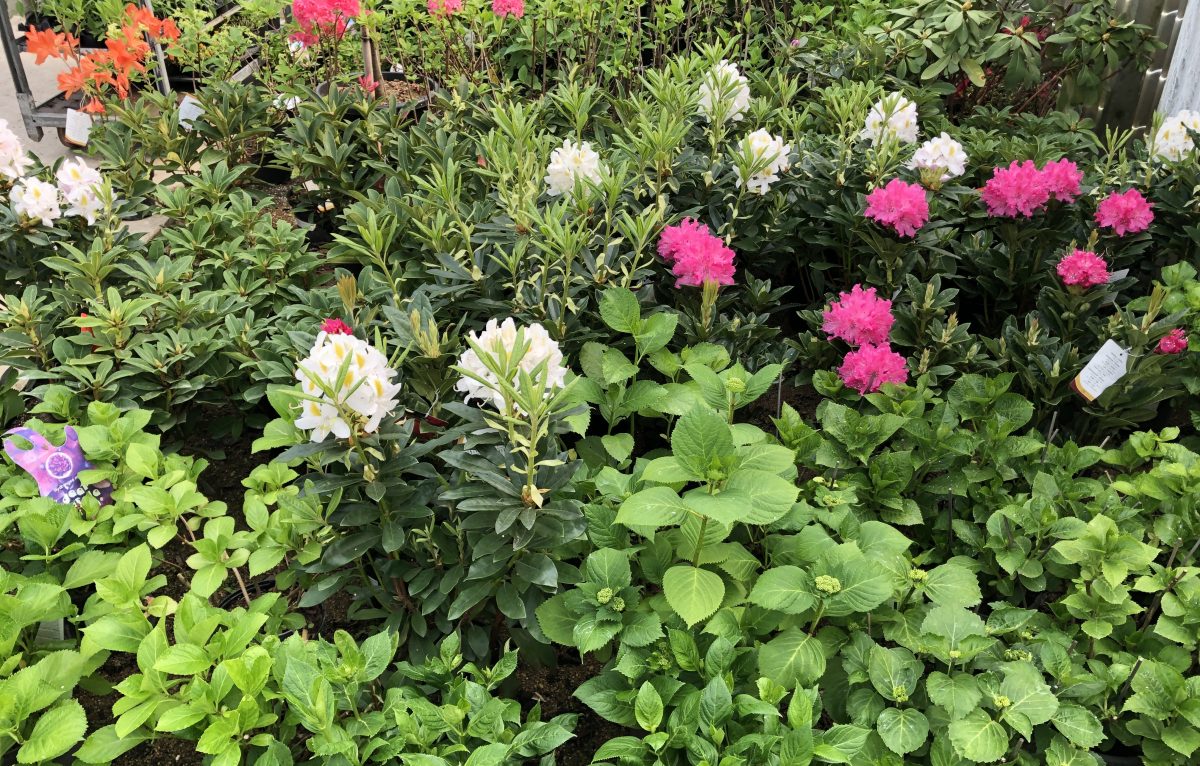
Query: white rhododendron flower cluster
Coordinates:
[892,116]
[80,186]
[13,159]
[502,338]
[365,391]
[569,162]
[764,147]
[942,154]
[36,200]
[725,84]
[1174,141]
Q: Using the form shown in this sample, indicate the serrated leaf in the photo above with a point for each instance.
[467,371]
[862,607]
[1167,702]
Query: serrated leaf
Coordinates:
[793,658]
[653,507]
[56,732]
[648,707]
[693,593]
[903,731]
[1079,725]
[786,589]
[978,738]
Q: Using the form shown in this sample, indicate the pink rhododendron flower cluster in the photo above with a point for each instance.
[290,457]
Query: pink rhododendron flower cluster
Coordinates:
[867,368]
[1062,179]
[1023,189]
[1084,269]
[504,8]
[696,255]
[859,317]
[1174,342]
[900,206]
[444,7]
[335,326]
[1125,212]
[319,17]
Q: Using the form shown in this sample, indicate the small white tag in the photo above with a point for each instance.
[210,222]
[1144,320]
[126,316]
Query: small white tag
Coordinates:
[1105,368]
[1118,275]
[79,126]
[189,110]
[51,630]
[288,103]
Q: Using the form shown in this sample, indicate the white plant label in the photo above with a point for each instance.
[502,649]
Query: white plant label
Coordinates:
[1108,366]
[189,110]
[79,126]
[1118,275]
[50,630]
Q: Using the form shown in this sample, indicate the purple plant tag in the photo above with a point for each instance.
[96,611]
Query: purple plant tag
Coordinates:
[56,469]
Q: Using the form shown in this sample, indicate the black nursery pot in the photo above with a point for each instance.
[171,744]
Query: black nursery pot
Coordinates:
[258,587]
[42,22]
[267,171]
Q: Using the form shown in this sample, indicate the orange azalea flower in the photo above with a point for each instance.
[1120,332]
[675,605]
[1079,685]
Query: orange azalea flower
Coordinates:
[124,56]
[93,107]
[46,43]
[169,30]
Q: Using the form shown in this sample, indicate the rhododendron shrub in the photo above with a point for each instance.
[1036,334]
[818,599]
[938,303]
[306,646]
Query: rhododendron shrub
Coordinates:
[348,387]
[698,258]
[1083,269]
[859,317]
[1125,212]
[900,206]
[322,18]
[867,368]
[1174,342]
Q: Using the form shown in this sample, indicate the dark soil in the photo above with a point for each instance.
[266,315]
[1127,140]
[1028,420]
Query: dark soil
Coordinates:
[803,398]
[554,689]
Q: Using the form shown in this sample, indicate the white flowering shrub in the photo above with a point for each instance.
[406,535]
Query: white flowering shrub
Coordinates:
[768,156]
[14,160]
[511,351]
[570,162]
[348,387]
[36,200]
[1173,141]
[893,116]
[724,94]
[940,158]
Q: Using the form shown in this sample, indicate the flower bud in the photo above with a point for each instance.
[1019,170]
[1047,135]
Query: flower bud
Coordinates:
[605,595]
[828,585]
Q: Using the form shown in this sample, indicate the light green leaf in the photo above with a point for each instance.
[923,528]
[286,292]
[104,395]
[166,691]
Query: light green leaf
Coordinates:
[648,707]
[903,731]
[786,589]
[1079,725]
[183,660]
[952,585]
[978,738]
[792,658]
[619,309]
[894,673]
[701,439]
[653,507]
[55,732]
[693,593]
[957,694]
[608,568]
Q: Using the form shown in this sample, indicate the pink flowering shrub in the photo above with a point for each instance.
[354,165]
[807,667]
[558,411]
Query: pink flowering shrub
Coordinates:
[1083,269]
[1174,342]
[696,254]
[1016,190]
[335,326]
[444,7]
[900,206]
[502,8]
[1125,212]
[1062,179]
[859,317]
[322,17]
[867,368]
[1023,189]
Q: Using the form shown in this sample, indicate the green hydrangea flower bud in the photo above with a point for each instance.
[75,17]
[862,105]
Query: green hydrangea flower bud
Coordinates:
[828,585]
[605,595]
[618,604]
